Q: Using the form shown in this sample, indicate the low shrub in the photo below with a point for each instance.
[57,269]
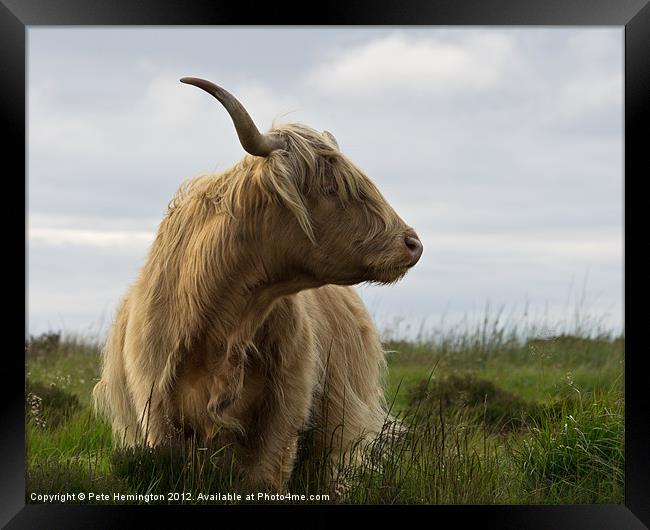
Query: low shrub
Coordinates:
[48,405]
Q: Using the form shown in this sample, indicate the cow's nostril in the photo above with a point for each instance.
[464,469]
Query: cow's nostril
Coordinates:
[414,247]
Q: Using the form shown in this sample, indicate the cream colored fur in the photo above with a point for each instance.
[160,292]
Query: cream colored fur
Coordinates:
[242,325]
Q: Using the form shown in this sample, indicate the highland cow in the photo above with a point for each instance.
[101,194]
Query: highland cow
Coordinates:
[242,326]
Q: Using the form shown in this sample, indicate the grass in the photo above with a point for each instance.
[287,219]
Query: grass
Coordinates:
[496,415]
[583,454]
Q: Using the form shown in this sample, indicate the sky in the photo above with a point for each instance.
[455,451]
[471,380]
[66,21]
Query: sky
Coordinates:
[502,147]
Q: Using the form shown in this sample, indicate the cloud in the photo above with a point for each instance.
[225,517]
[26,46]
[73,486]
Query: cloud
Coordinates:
[522,247]
[90,238]
[411,64]
[501,147]
[51,129]
[587,94]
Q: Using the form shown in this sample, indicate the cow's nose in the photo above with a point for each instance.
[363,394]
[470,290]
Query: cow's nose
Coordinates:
[414,247]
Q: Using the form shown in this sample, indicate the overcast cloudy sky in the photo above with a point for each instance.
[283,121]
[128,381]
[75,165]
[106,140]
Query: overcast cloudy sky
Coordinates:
[502,147]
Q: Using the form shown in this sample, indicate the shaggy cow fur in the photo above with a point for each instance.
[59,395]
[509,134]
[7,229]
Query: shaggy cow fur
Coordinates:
[242,326]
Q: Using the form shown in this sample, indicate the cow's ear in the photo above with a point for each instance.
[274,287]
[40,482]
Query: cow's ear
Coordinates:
[331,138]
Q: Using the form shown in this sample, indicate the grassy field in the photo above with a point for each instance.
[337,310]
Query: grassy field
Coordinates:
[492,418]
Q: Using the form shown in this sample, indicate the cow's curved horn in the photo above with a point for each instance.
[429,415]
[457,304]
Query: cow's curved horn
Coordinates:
[251,139]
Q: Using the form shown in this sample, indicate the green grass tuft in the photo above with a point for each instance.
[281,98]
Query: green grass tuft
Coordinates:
[581,456]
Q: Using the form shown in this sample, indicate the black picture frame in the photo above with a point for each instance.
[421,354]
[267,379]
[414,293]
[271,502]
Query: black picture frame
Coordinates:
[16,16]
